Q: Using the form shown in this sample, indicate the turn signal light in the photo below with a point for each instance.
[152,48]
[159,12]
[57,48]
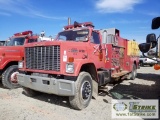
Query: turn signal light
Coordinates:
[71,59]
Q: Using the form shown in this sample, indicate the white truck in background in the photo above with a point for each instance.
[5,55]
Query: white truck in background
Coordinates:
[146,61]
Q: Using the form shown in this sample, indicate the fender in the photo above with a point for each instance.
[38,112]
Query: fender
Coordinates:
[79,64]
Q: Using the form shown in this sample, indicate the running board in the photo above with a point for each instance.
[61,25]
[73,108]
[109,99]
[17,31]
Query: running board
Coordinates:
[116,75]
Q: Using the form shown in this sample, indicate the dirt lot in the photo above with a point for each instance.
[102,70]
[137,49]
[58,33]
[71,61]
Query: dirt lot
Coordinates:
[14,105]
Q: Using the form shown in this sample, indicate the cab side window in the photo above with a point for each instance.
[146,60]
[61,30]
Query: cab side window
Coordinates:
[32,40]
[95,38]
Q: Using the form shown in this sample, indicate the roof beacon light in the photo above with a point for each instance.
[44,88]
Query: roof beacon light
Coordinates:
[23,33]
[78,25]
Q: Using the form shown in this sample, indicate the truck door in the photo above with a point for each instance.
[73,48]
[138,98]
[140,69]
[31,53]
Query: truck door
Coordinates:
[14,50]
[96,54]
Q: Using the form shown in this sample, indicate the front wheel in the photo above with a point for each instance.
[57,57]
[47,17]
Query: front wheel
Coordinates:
[9,77]
[83,93]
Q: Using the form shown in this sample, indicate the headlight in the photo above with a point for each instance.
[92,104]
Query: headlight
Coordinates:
[69,68]
[20,64]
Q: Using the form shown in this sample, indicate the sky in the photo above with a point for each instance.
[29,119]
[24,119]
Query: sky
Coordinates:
[132,17]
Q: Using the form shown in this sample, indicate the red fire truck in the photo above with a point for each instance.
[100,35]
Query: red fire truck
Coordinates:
[77,62]
[11,53]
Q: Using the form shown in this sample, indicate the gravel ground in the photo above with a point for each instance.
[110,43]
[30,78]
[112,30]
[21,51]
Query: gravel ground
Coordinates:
[14,105]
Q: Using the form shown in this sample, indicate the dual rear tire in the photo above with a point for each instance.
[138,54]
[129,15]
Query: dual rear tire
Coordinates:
[141,64]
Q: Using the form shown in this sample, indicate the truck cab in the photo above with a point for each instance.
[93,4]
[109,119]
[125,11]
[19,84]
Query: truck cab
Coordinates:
[77,62]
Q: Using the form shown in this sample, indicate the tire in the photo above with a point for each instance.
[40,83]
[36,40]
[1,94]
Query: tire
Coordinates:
[9,79]
[83,93]
[141,64]
[29,92]
[134,72]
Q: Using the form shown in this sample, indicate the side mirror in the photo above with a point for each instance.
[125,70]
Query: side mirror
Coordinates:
[151,38]
[156,23]
[144,47]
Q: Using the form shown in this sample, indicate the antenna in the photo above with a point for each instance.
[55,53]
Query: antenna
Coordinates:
[69,21]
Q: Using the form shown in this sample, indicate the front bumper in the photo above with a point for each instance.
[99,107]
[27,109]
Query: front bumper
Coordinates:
[47,85]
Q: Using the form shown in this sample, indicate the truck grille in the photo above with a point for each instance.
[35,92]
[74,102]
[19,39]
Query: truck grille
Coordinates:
[43,58]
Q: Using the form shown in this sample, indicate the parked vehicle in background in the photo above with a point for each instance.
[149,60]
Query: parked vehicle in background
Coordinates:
[11,53]
[152,42]
[147,61]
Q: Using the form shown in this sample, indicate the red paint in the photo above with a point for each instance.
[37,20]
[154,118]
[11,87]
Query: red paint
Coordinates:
[88,52]
[13,54]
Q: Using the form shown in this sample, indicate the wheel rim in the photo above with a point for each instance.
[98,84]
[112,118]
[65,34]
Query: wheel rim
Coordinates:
[85,90]
[13,77]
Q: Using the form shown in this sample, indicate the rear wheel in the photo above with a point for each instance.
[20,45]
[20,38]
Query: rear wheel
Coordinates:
[134,72]
[141,63]
[83,93]
[9,77]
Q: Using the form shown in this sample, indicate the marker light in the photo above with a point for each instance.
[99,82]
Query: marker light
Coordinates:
[71,59]
[23,33]
[20,64]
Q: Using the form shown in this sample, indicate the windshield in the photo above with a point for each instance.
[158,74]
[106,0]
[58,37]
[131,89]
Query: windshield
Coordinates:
[15,41]
[2,43]
[73,35]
